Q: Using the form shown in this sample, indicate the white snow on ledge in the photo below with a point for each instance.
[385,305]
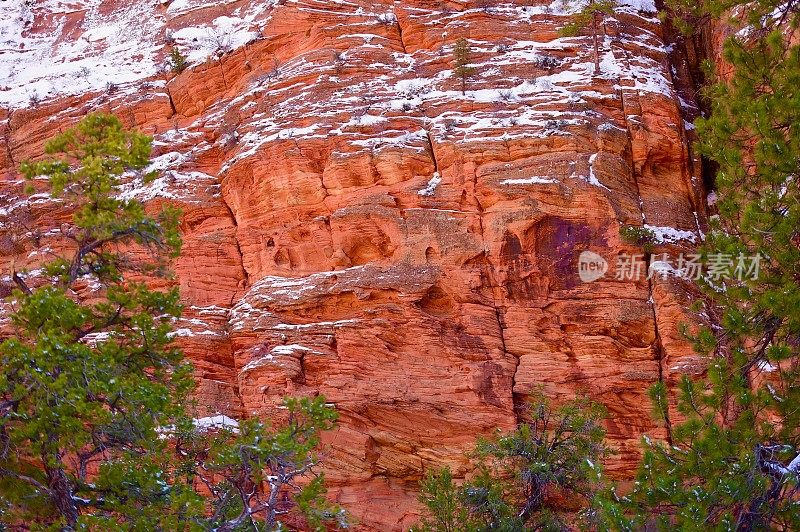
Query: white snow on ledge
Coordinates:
[180,7]
[216,422]
[534,180]
[286,350]
[766,367]
[277,351]
[644,6]
[670,234]
[430,188]
[314,325]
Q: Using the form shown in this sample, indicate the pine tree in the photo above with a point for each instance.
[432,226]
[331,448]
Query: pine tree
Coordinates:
[592,11]
[461,62]
[556,451]
[177,61]
[735,458]
[84,387]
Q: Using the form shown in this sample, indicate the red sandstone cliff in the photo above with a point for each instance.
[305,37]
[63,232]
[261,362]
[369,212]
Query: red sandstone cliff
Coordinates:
[355,226]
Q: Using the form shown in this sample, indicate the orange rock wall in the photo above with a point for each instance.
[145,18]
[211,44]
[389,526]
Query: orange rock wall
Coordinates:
[356,226]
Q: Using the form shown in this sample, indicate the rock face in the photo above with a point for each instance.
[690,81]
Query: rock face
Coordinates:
[355,226]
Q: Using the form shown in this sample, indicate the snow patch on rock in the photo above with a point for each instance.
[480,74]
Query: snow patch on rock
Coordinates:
[670,234]
[219,421]
[430,188]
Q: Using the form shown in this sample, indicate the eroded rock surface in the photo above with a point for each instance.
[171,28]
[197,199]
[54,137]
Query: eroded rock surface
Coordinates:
[356,226]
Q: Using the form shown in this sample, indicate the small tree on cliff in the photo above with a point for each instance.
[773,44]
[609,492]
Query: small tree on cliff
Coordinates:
[92,388]
[735,459]
[252,472]
[177,61]
[461,62]
[554,452]
[591,12]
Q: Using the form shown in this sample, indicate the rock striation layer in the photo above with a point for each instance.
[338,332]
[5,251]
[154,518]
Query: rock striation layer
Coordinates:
[356,226]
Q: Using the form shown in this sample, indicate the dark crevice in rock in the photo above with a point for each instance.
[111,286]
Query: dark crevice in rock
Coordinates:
[398,205]
[433,152]
[400,33]
[236,369]
[658,348]
[222,72]
[493,286]
[687,53]
[236,243]
[171,103]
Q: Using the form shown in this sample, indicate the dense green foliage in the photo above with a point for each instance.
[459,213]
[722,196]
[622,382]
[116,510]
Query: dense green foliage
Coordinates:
[640,236]
[93,393]
[85,386]
[554,453]
[237,464]
[733,462]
